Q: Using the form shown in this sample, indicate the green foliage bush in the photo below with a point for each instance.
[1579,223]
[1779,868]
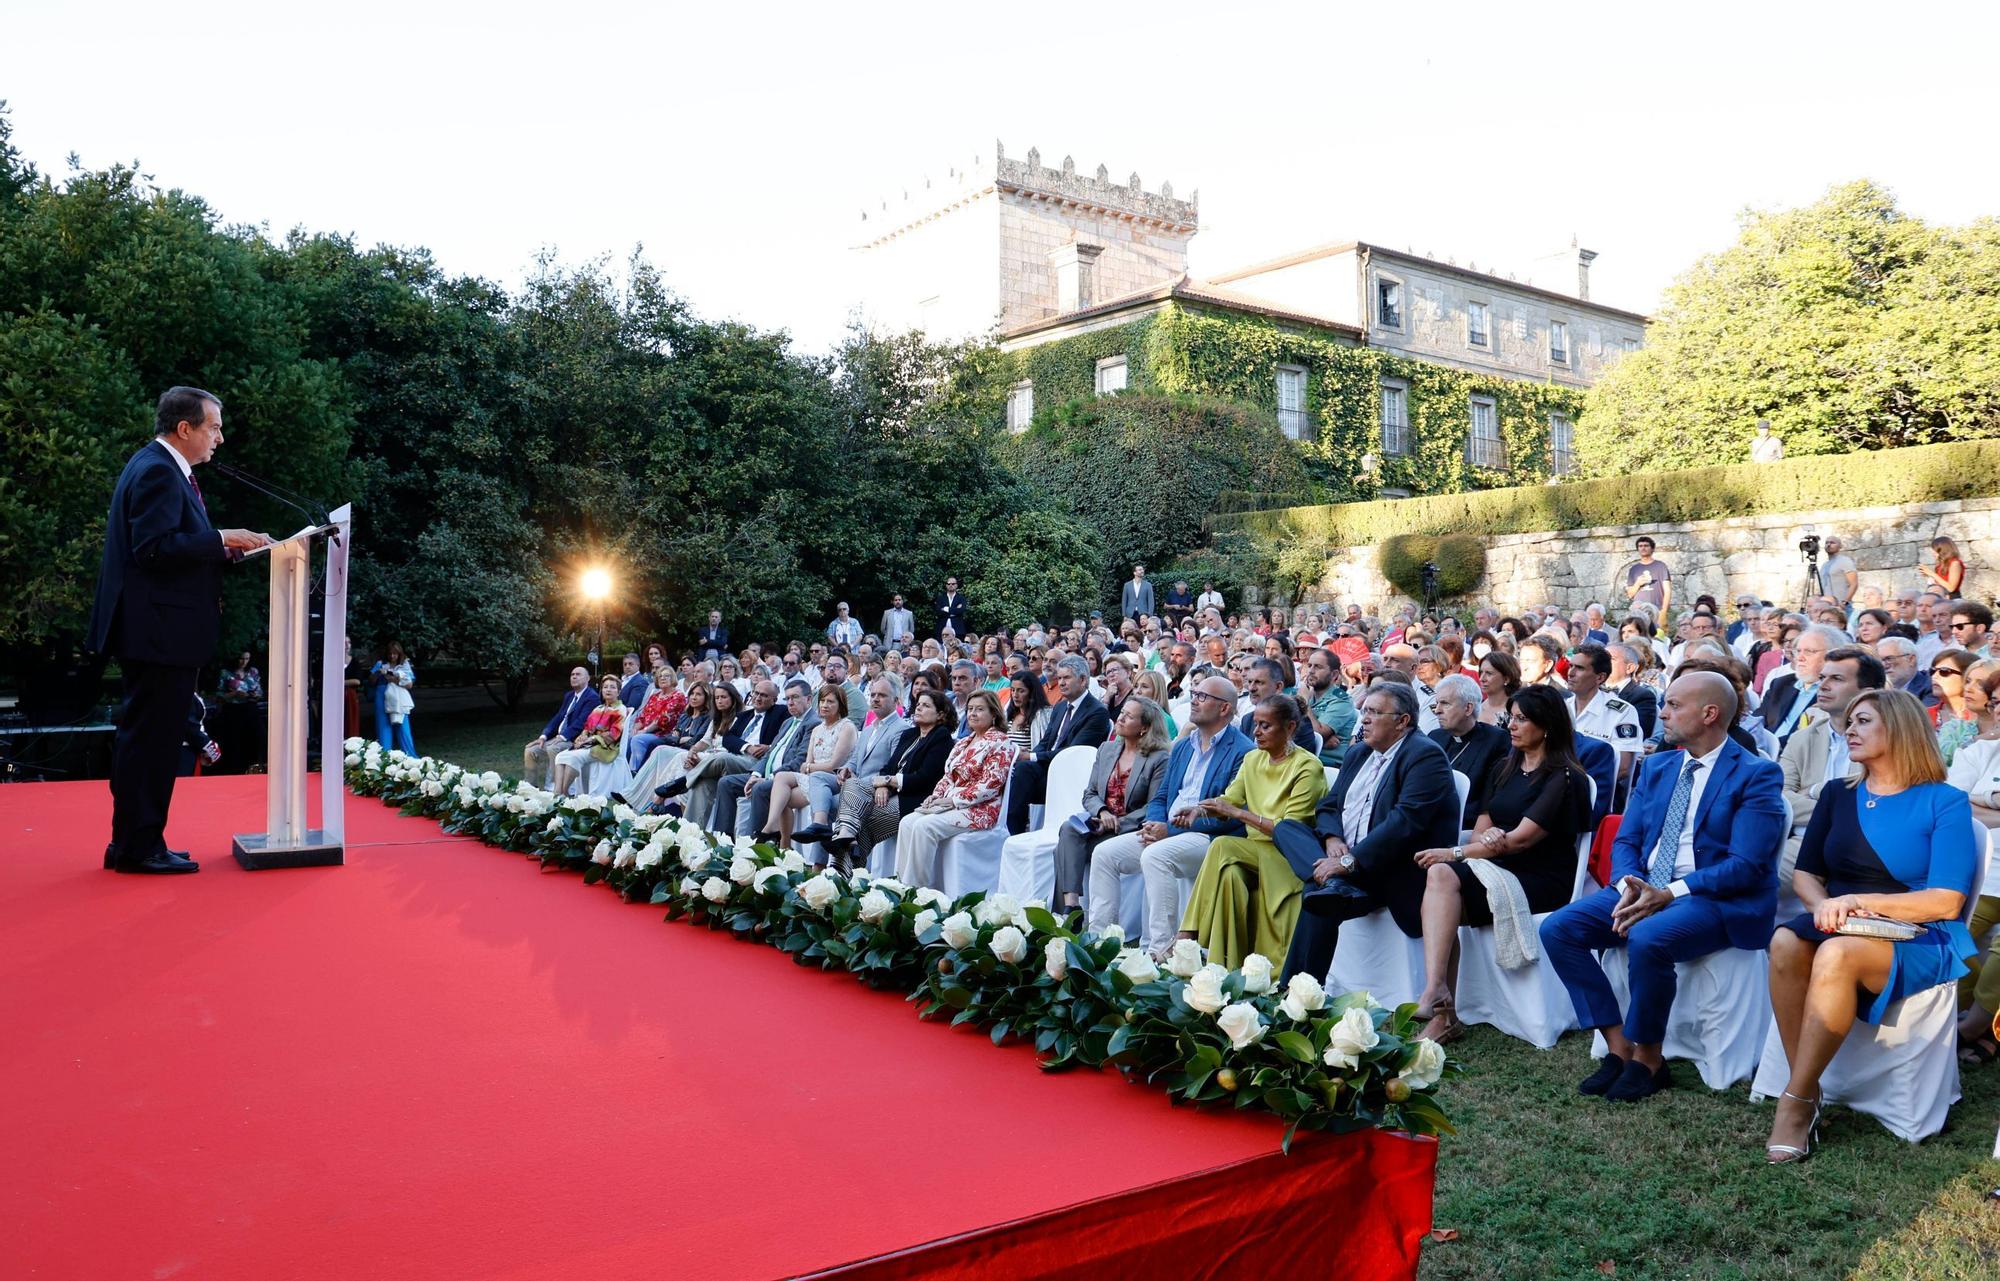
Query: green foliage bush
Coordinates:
[1144,470]
[1924,473]
[1460,559]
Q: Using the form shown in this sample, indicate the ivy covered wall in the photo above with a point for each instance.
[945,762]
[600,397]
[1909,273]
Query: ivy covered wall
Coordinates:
[1191,350]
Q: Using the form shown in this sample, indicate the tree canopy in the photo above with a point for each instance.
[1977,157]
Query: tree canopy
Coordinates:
[1848,323]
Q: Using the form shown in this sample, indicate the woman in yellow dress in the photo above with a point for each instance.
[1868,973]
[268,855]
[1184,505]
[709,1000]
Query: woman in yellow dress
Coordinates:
[1246,897]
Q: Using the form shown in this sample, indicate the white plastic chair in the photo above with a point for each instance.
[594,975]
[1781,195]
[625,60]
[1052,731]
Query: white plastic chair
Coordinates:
[970,861]
[1464,786]
[1902,1071]
[1028,859]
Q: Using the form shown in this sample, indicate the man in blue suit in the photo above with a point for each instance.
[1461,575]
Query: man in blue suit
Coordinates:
[159,613]
[1170,844]
[1694,870]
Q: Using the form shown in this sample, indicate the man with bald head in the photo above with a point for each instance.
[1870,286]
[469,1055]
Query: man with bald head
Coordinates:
[1694,870]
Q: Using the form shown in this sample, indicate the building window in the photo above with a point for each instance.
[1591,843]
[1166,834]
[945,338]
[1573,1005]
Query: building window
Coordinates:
[1395,418]
[1484,448]
[1558,343]
[1021,406]
[1476,332]
[1110,375]
[1389,304]
[1630,344]
[1292,402]
[1392,493]
[1562,446]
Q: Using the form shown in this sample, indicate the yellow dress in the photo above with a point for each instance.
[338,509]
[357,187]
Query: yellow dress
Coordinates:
[1246,897]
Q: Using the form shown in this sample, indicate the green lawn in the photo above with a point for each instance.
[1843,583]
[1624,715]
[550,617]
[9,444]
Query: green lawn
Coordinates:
[1541,1182]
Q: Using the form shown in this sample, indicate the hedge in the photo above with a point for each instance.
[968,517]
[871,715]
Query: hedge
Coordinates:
[1874,478]
[1460,559]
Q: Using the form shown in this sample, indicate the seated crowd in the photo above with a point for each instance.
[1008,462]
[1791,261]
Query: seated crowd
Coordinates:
[1269,777]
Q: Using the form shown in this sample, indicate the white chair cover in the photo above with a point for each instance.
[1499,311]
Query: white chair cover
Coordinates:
[1903,1072]
[1028,859]
[1528,1004]
[882,858]
[1722,1009]
[1464,786]
[1374,956]
[971,860]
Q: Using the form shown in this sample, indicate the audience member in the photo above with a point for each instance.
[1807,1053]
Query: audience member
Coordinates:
[967,795]
[1499,679]
[742,800]
[1815,758]
[1471,747]
[828,746]
[1123,780]
[873,806]
[539,756]
[597,742]
[1078,719]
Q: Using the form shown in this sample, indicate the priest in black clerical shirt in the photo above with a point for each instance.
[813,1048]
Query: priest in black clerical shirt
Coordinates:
[1470,746]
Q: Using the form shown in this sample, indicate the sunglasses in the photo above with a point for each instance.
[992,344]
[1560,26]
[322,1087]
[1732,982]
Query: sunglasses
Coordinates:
[1957,626]
[1945,671]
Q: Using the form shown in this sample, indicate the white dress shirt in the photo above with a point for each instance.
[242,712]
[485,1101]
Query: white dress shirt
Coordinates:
[1684,853]
[1357,815]
[187,470]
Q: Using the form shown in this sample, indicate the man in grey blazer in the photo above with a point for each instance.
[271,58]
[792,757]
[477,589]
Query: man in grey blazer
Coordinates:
[1137,598]
[873,751]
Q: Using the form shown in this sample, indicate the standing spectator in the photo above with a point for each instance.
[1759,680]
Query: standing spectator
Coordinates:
[1837,574]
[713,639]
[845,629]
[1178,605]
[1949,575]
[899,625]
[951,610]
[1136,601]
[1210,599]
[1647,581]
[351,702]
[394,676]
[1767,446]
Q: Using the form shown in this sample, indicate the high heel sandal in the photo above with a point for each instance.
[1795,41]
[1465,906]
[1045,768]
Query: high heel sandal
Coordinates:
[1788,1154]
[1447,1006]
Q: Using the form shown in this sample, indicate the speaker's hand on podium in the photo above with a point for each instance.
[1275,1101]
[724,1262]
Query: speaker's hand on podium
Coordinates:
[244,540]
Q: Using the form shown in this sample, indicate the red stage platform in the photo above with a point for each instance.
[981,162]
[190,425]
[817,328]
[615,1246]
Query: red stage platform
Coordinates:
[439,1062]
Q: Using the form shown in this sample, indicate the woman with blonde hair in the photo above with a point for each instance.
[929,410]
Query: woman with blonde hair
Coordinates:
[827,750]
[1893,844]
[1949,575]
[1152,683]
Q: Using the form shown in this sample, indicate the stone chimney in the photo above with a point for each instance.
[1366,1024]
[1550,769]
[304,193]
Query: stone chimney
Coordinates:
[1584,257]
[1076,276]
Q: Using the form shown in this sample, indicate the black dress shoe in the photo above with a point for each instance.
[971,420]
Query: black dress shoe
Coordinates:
[1601,1080]
[1637,1082]
[162,864]
[675,788]
[811,835]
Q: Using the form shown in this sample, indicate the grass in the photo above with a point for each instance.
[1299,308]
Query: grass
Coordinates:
[1542,1183]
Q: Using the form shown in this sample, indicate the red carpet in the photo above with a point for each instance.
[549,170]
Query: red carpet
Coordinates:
[438,1062]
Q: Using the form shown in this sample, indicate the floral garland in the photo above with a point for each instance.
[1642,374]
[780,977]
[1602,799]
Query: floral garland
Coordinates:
[1205,1033]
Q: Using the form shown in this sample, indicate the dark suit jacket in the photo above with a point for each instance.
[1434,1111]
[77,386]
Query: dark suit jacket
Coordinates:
[1644,701]
[712,640]
[920,759]
[951,609]
[767,733]
[1474,758]
[1738,833]
[1416,808]
[1599,760]
[159,589]
[635,690]
[1088,726]
[571,713]
[1920,685]
[1302,733]
[1778,698]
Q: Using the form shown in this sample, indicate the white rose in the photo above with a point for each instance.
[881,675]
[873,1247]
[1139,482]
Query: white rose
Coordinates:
[601,854]
[691,859]
[1010,945]
[649,822]
[1303,995]
[354,758]
[769,880]
[741,869]
[792,861]
[959,930]
[627,855]
[490,780]
[1426,1065]
[1137,966]
[928,897]
[715,890]
[1055,958]
[1256,974]
[554,825]
[649,857]
[1353,1037]
[890,885]
[1185,961]
[354,744]
[923,921]
[1112,931]
[744,846]
[690,887]
[1241,1024]
[875,905]
[624,813]
[1001,909]
[820,893]
[1204,990]
[524,788]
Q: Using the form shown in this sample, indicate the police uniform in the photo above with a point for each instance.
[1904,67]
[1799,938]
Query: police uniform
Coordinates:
[1612,719]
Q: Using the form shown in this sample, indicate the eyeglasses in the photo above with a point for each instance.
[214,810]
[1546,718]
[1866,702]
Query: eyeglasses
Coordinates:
[1945,671]
[1956,626]
[1199,696]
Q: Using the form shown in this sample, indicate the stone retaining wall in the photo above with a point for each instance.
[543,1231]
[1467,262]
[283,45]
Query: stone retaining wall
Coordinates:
[1720,558]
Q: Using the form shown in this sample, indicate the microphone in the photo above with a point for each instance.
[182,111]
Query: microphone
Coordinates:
[270,489]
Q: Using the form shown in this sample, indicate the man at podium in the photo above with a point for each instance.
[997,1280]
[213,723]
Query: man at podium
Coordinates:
[159,612]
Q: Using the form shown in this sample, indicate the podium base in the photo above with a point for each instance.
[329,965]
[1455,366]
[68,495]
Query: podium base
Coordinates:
[255,852]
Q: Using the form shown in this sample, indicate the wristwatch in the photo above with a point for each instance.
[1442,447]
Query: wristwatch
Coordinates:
[1346,862]
[1458,853]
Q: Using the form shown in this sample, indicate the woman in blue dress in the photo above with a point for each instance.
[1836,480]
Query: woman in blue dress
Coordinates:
[1897,842]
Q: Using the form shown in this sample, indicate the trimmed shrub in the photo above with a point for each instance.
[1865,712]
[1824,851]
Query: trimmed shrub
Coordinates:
[1460,558]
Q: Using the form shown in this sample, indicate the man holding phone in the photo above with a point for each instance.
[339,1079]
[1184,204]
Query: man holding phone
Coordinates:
[1694,870]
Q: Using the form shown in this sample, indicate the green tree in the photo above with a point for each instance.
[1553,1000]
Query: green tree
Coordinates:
[1847,323]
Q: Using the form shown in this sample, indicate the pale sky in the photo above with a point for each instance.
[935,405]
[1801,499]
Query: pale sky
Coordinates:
[738,143]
